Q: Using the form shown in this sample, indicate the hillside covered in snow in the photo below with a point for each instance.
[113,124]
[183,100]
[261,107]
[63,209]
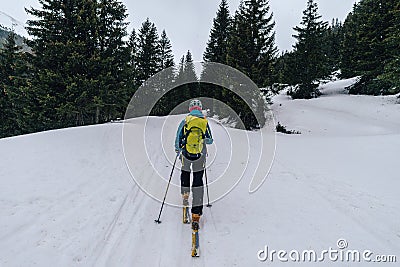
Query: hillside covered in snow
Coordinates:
[67,197]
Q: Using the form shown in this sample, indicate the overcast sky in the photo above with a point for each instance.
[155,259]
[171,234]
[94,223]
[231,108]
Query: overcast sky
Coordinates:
[188,22]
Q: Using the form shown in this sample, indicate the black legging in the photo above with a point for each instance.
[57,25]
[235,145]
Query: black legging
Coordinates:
[197,186]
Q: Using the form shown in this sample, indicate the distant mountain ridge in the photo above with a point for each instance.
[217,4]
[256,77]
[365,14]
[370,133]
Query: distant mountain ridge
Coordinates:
[4,32]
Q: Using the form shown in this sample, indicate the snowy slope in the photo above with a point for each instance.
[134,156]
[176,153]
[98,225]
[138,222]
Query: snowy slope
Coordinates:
[68,199]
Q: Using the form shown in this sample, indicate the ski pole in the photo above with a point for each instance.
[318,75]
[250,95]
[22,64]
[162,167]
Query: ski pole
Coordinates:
[208,195]
[166,191]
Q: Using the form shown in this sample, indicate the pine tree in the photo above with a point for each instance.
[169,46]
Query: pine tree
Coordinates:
[348,47]
[148,53]
[11,104]
[310,59]
[189,69]
[166,78]
[252,50]
[181,70]
[132,65]
[6,123]
[181,92]
[185,76]
[79,61]
[217,45]
[391,73]
[237,43]
[166,55]
[216,51]
[50,34]
[371,25]
[252,47]
[190,78]
[263,47]
[114,59]
[15,77]
[284,69]
[332,39]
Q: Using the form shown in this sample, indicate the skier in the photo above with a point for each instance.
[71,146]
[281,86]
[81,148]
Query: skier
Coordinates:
[193,135]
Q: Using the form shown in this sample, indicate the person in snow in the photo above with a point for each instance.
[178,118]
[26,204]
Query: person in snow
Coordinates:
[193,135]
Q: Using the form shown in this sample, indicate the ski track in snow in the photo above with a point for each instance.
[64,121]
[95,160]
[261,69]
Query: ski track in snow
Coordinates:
[67,197]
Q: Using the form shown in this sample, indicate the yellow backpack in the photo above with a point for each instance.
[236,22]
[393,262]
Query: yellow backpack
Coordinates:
[194,133]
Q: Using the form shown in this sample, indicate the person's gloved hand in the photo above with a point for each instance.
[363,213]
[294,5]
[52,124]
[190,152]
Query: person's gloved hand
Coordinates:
[209,141]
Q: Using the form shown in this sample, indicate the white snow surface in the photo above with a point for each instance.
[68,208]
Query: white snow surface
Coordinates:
[68,199]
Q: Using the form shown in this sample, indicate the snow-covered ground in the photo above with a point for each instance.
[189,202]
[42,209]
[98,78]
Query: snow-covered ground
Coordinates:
[68,199]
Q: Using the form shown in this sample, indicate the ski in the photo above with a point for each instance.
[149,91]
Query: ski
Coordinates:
[195,240]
